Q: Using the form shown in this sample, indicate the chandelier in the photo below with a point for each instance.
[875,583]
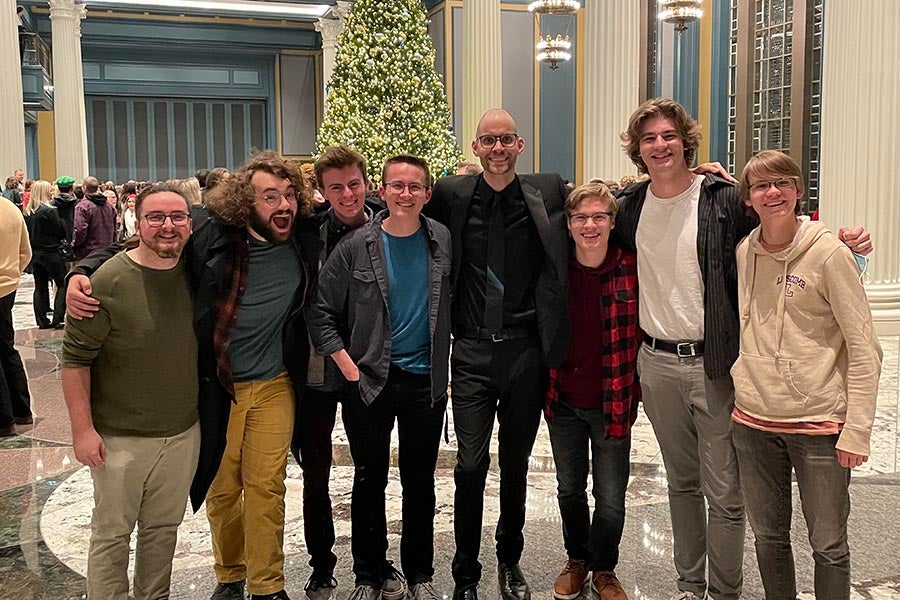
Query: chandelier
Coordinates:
[553,51]
[554,7]
[679,12]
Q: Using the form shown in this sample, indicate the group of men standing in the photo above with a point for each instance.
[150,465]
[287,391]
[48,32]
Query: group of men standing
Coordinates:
[293,315]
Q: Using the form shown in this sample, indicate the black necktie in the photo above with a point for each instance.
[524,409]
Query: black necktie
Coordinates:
[496,255]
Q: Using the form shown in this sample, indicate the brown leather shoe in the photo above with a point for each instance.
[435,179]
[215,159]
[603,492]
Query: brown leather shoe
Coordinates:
[24,420]
[607,586]
[8,431]
[571,581]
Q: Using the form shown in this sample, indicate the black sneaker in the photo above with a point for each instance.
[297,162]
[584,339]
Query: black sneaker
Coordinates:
[320,586]
[229,591]
[365,592]
[282,595]
[394,586]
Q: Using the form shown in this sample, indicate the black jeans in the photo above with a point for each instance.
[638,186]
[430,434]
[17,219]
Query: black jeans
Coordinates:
[406,398]
[311,446]
[15,401]
[508,380]
[572,433]
[48,267]
[765,461]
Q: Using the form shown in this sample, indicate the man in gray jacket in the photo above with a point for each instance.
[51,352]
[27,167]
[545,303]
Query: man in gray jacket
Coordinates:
[382,313]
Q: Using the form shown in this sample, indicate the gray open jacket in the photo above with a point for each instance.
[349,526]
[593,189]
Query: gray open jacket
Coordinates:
[351,306]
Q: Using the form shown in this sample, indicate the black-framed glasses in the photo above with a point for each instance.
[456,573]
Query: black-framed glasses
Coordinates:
[273,199]
[507,140]
[782,183]
[157,219]
[600,218]
[398,186]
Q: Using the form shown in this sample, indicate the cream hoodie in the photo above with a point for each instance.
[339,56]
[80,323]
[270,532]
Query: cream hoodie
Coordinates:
[15,249]
[808,346]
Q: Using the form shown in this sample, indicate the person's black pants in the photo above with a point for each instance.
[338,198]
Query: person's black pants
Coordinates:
[15,401]
[49,267]
[311,446]
[507,379]
[407,398]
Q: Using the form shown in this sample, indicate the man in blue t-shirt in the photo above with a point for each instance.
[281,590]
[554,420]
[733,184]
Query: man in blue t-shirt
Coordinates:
[382,313]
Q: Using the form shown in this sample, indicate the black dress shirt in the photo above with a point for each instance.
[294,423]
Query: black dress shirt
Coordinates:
[523,252]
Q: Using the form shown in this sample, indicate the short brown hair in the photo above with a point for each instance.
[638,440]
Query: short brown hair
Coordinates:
[232,200]
[158,188]
[772,164]
[591,190]
[409,159]
[339,157]
[688,129]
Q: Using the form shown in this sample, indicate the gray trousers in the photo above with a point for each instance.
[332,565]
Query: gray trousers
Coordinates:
[691,416]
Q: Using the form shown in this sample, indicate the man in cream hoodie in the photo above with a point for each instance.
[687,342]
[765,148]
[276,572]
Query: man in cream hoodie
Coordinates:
[805,381]
[15,253]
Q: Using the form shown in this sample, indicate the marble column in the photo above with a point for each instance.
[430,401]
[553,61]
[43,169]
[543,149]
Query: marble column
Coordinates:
[859,139]
[68,89]
[331,28]
[12,120]
[612,66]
[482,71]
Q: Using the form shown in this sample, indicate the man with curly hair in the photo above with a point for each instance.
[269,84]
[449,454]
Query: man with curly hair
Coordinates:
[249,267]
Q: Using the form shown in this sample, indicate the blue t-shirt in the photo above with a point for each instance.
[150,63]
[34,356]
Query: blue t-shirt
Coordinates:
[407,269]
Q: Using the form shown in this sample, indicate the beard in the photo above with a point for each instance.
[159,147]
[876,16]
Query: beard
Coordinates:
[167,249]
[264,228]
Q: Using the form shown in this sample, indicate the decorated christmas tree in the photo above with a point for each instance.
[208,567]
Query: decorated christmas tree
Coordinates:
[385,97]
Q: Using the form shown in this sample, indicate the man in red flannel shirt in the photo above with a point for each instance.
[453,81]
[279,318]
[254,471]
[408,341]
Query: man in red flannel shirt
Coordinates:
[593,397]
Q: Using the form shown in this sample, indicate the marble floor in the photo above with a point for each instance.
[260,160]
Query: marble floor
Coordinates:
[45,505]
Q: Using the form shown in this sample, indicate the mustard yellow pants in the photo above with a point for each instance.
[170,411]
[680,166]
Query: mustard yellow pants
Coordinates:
[245,503]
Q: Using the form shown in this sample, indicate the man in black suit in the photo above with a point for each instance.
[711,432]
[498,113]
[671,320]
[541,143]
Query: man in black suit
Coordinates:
[509,325]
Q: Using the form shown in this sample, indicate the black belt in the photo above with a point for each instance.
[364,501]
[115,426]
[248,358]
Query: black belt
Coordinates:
[680,349]
[500,335]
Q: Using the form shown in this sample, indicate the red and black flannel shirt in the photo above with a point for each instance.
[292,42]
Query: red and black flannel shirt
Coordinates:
[618,336]
[227,309]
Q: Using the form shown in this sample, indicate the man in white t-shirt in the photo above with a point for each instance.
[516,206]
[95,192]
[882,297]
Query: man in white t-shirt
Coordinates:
[685,228]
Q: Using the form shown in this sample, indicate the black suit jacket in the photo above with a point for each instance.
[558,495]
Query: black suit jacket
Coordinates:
[545,196]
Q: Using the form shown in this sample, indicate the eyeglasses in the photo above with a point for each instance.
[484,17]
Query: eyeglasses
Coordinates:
[507,140]
[398,186]
[157,219]
[273,199]
[782,184]
[580,220]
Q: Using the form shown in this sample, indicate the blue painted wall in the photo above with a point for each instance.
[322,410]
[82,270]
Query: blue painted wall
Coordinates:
[557,113]
[718,127]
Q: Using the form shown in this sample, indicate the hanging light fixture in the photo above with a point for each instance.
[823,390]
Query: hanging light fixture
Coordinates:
[554,7]
[679,12]
[553,51]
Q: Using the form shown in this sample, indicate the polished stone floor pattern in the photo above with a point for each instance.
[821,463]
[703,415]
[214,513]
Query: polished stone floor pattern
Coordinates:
[46,500]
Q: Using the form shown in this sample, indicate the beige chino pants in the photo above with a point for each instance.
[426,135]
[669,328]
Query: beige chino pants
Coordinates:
[144,481]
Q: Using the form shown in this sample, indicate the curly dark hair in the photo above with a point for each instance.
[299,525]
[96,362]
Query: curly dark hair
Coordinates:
[688,129]
[232,200]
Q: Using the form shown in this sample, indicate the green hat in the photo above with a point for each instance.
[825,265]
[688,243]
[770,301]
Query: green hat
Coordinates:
[65,180]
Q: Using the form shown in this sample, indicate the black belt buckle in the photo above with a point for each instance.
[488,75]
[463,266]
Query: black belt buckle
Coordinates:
[686,349]
[498,337]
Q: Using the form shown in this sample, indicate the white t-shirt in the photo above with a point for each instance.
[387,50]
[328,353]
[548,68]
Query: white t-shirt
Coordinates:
[671,285]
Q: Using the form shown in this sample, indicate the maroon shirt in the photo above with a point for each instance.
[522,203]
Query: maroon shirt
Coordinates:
[600,370]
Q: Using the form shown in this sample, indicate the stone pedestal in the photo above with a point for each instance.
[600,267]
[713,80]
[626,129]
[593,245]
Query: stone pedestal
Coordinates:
[482,74]
[12,121]
[68,89]
[612,66]
[859,139]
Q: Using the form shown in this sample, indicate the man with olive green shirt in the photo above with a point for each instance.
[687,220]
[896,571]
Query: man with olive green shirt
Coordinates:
[130,384]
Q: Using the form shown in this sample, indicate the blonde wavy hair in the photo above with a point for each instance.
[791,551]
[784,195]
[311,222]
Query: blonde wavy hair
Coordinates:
[232,200]
[41,193]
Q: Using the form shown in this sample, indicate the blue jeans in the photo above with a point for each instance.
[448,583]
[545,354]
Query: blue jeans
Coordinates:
[765,461]
[572,433]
